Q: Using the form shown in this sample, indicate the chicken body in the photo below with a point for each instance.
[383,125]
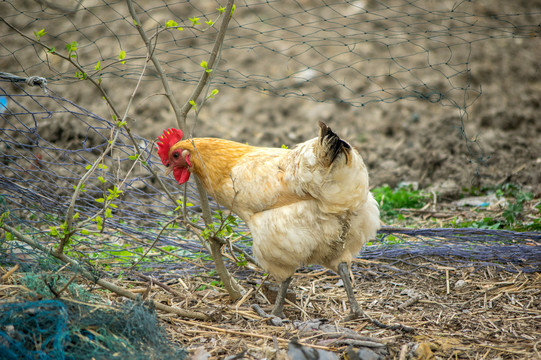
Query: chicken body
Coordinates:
[308,205]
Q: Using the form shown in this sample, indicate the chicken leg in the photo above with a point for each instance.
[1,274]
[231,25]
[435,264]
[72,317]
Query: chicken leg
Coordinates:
[343,271]
[278,309]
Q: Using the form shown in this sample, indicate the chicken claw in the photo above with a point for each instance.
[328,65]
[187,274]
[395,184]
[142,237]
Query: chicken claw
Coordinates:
[356,312]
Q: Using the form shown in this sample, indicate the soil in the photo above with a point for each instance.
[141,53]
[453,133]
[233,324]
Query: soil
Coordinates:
[467,314]
[493,140]
[477,312]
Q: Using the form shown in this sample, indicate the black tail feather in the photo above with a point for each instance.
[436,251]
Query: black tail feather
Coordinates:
[332,143]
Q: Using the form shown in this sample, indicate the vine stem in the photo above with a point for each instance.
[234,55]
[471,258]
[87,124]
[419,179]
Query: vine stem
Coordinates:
[233,288]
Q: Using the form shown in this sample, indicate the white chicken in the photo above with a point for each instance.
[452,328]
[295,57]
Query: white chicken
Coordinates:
[307,205]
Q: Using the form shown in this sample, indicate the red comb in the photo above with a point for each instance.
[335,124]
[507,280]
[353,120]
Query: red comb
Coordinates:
[169,138]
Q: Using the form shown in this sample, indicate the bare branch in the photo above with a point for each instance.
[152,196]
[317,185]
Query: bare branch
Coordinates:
[211,61]
[158,66]
[235,291]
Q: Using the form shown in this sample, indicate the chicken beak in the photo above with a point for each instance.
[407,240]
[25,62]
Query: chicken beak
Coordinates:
[168,170]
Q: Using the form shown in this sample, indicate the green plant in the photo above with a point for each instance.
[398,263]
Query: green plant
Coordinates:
[390,201]
[511,217]
[39,34]
[223,227]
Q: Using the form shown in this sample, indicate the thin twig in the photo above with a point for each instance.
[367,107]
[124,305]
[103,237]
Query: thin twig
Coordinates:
[211,61]
[231,285]
[154,242]
[10,272]
[158,66]
[408,302]
[159,283]
[66,285]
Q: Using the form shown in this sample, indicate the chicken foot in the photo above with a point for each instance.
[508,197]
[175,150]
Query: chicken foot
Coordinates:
[278,309]
[355,309]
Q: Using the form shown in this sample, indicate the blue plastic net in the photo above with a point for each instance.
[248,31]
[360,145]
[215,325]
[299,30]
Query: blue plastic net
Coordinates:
[55,329]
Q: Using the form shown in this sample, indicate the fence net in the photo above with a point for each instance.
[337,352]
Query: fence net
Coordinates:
[354,52]
[39,176]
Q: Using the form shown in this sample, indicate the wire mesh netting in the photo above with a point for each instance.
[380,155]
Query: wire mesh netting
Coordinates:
[37,182]
[356,52]
[39,176]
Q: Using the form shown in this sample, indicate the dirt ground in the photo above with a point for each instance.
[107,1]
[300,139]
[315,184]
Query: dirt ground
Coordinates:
[457,313]
[409,140]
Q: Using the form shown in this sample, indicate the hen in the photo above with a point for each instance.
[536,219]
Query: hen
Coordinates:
[308,205]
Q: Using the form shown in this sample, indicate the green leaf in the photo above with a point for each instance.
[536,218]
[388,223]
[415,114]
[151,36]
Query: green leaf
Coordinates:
[98,66]
[88,167]
[80,75]
[221,9]
[171,23]
[213,93]
[51,50]
[195,21]
[102,180]
[122,56]
[39,34]
[204,64]
[194,105]
[3,217]
[72,47]
[53,231]
[133,157]
[100,200]
[209,23]
[81,189]
[85,232]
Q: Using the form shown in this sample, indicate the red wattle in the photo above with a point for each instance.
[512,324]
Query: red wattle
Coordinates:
[181,175]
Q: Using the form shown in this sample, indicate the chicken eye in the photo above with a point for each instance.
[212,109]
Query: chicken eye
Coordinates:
[175,155]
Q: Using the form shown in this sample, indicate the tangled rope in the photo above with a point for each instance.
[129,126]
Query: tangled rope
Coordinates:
[31,80]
